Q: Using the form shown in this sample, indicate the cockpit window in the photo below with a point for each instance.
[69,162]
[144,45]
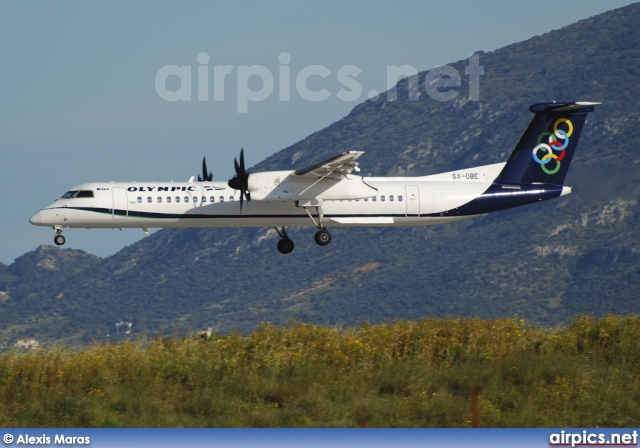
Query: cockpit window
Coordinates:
[78,194]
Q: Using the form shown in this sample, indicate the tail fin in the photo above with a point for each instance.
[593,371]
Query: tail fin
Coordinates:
[545,150]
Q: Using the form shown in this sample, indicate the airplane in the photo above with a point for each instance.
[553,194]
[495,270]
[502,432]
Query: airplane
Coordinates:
[328,194]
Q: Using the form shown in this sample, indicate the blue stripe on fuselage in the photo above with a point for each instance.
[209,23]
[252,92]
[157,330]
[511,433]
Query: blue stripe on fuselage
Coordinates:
[500,197]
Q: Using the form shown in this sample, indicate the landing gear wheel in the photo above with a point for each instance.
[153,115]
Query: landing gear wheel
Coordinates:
[59,240]
[285,246]
[323,237]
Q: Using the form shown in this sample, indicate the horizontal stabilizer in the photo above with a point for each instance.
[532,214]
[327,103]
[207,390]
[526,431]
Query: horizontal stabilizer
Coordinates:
[582,106]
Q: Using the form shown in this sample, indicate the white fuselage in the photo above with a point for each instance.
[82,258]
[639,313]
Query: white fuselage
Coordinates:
[396,201]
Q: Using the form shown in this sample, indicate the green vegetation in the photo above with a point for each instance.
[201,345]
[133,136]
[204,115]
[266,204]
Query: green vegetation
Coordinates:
[405,374]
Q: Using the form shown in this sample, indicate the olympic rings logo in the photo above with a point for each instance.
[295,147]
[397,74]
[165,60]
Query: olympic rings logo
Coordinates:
[554,143]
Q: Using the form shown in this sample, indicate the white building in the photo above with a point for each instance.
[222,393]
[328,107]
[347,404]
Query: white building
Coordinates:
[26,343]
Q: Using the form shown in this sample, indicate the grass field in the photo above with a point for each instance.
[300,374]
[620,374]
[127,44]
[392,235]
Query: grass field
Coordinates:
[403,374]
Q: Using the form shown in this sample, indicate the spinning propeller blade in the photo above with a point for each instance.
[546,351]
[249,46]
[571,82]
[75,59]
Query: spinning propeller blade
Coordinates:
[241,180]
[207,176]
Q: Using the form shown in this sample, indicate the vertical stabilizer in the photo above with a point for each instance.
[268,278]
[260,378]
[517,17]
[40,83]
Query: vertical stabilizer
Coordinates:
[545,150]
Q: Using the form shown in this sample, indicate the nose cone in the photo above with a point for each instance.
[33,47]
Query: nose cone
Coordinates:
[36,219]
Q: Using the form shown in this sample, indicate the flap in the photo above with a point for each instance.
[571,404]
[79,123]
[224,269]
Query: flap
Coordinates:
[337,166]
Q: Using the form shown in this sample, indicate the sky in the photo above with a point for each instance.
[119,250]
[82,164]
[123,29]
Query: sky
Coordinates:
[141,91]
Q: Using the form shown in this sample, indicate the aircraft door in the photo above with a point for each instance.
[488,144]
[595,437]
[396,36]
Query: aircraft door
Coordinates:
[413,200]
[120,206]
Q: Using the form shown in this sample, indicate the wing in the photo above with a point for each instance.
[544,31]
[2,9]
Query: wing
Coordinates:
[330,180]
[336,167]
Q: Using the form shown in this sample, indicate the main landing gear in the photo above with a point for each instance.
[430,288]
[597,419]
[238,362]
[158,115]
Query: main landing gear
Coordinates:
[285,245]
[322,236]
[59,239]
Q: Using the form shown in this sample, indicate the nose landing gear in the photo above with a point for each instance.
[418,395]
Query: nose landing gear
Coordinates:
[59,239]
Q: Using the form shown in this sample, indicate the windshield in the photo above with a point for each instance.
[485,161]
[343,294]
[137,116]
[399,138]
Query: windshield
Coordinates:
[78,194]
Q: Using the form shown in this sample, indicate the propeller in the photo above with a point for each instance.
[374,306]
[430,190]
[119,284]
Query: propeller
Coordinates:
[207,176]
[241,180]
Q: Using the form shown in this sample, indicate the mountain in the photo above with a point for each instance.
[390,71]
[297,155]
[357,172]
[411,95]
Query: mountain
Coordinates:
[546,262]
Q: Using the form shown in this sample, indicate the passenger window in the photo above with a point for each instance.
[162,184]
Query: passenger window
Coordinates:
[230,198]
[186,199]
[149,200]
[390,198]
[221,198]
[139,199]
[399,198]
[159,199]
[195,199]
[177,199]
[374,199]
[168,199]
[212,199]
[366,199]
[382,198]
[204,199]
